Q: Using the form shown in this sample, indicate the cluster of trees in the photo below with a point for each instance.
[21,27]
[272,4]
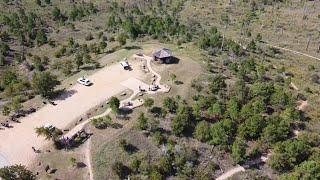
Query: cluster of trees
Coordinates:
[213,41]
[179,161]
[77,12]
[28,28]
[17,89]
[136,22]
[82,10]
[81,55]
[254,109]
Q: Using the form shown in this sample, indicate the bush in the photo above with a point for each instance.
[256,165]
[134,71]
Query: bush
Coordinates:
[16,172]
[89,37]
[158,112]
[102,123]
[120,169]
[148,102]
[158,138]
[142,122]
[170,104]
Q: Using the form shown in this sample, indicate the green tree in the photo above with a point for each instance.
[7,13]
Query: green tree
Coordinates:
[135,165]
[158,138]
[16,172]
[56,13]
[202,132]
[122,39]
[8,77]
[37,63]
[38,2]
[173,77]
[216,111]
[142,122]
[6,110]
[276,130]
[308,170]
[238,152]
[221,132]
[252,127]
[41,37]
[114,105]
[217,84]
[2,60]
[79,60]
[259,37]
[148,103]
[73,161]
[119,169]
[179,124]
[233,108]
[170,104]
[102,45]
[252,46]
[16,103]
[165,165]
[67,67]
[156,175]
[44,83]
[49,133]
[182,121]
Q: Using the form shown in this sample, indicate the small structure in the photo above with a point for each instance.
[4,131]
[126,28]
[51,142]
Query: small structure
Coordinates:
[163,55]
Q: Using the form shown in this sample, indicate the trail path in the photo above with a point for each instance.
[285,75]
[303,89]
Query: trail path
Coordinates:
[293,51]
[230,173]
[88,158]
[284,49]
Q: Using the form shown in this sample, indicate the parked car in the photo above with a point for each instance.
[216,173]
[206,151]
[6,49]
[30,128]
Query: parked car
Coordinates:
[125,65]
[84,81]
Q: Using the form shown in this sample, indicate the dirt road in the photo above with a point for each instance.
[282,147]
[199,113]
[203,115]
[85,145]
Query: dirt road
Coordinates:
[230,173]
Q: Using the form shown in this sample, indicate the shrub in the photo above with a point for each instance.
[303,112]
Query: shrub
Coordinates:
[101,123]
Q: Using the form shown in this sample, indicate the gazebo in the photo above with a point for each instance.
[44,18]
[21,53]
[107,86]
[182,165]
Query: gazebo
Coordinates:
[163,55]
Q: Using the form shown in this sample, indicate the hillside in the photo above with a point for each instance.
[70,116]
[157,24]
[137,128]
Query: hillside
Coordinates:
[242,99]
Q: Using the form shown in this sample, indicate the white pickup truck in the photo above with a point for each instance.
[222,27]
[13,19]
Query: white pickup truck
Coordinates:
[125,65]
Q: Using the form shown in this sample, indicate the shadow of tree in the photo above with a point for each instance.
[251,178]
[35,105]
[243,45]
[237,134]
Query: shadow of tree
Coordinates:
[132,47]
[65,94]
